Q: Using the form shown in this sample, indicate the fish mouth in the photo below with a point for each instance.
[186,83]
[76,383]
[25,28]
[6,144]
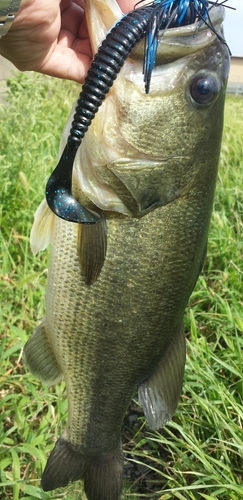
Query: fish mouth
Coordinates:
[174,42]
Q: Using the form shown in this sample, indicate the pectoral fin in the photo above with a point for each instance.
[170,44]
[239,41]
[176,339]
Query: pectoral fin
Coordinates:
[92,243]
[39,357]
[42,228]
[160,394]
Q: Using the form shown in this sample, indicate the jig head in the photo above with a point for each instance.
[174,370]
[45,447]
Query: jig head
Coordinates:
[173,14]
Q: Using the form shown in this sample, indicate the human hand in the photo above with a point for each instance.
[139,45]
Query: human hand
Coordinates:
[51,37]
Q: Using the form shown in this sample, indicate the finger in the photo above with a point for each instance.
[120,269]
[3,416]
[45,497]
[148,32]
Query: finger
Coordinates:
[66,63]
[72,18]
[126,5]
[67,40]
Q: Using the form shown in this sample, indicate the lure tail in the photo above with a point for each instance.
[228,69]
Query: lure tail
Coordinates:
[102,474]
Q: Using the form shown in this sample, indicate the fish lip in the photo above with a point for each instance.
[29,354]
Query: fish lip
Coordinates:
[158,160]
[102,15]
[217,15]
[176,43]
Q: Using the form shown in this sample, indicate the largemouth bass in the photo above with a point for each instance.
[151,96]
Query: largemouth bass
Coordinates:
[117,290]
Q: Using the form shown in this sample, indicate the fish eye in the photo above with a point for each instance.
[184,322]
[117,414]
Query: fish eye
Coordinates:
[204,89]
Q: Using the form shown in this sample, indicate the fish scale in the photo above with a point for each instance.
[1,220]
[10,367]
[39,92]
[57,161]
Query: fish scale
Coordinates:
[114,316]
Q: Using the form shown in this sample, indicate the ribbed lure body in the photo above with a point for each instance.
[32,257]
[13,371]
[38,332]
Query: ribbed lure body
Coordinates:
[103,71]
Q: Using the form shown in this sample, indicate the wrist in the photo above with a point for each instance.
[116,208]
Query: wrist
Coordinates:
[8,11]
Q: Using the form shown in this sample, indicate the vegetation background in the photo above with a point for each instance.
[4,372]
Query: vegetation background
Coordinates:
[199,455]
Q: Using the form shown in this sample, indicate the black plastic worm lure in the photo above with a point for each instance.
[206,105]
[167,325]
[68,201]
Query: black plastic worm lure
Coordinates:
[103,71]
[145,22]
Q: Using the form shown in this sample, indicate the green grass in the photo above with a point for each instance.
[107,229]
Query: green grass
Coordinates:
[199,455]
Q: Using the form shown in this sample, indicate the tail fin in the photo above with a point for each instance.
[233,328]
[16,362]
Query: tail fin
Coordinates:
[103,477]
[102,473]
[63,465]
